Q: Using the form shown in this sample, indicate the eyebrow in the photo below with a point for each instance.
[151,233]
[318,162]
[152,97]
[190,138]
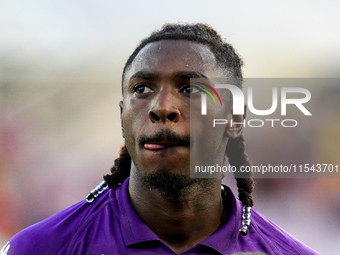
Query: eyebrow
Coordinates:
[143,75]
[182,75]
[189,75]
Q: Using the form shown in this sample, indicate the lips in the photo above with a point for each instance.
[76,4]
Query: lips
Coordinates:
[152,146]
[158,146]
[163,139]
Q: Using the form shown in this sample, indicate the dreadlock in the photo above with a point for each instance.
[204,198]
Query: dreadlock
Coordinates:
[238,157]
[226,58]
[120,170]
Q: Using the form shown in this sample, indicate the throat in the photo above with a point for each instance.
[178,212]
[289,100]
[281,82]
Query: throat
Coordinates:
[182,233]
[182,221]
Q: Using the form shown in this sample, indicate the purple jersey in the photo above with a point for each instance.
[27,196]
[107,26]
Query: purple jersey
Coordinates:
[110,225]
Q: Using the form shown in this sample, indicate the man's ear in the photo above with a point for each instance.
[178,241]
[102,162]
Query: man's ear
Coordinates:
[121,116]
[236,124]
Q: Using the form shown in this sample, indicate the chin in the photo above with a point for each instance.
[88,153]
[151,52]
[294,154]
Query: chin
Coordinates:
[167,183]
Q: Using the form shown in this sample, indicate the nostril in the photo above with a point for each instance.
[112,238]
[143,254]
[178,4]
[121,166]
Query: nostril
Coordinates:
[164,116]
[155,116]
[172,116]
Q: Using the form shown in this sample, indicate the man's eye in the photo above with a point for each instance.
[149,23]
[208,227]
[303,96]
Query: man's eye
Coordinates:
[190,89]
[142,89]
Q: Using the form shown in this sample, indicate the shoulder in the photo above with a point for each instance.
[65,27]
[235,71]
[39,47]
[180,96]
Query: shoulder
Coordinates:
[55,234]
[280,240]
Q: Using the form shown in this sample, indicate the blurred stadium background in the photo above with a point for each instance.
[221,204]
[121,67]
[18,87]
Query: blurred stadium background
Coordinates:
[60,68]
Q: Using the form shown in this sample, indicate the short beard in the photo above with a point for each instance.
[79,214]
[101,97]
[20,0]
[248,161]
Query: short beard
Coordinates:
[166,183]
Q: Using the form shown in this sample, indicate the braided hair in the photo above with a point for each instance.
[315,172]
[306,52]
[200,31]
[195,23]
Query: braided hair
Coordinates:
[226,58]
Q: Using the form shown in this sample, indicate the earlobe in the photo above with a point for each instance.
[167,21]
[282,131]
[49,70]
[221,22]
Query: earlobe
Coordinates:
[235,127]
[121,117]
[236,124]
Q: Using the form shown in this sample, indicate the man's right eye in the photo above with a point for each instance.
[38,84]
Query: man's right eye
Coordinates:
[142,89]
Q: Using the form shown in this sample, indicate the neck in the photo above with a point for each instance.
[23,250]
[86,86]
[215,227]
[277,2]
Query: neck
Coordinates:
[180,219]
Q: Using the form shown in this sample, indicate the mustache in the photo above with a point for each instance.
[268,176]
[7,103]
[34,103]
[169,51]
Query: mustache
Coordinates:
[165,135]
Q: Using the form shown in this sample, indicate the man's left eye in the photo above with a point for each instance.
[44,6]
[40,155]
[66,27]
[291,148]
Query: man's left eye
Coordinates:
[190,89]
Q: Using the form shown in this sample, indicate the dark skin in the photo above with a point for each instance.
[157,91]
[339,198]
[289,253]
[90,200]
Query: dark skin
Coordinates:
[155,98]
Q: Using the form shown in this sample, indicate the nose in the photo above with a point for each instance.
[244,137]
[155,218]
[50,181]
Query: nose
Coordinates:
[164,109]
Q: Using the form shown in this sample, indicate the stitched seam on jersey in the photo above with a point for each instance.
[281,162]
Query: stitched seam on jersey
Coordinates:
[297,245]
[277,251]
[84,224]
[274,248]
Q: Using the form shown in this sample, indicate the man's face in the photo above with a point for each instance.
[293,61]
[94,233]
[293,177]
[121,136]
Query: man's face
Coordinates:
[156,105]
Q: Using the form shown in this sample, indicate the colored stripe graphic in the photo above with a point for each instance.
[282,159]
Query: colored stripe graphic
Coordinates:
[206,91]
[212,89]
